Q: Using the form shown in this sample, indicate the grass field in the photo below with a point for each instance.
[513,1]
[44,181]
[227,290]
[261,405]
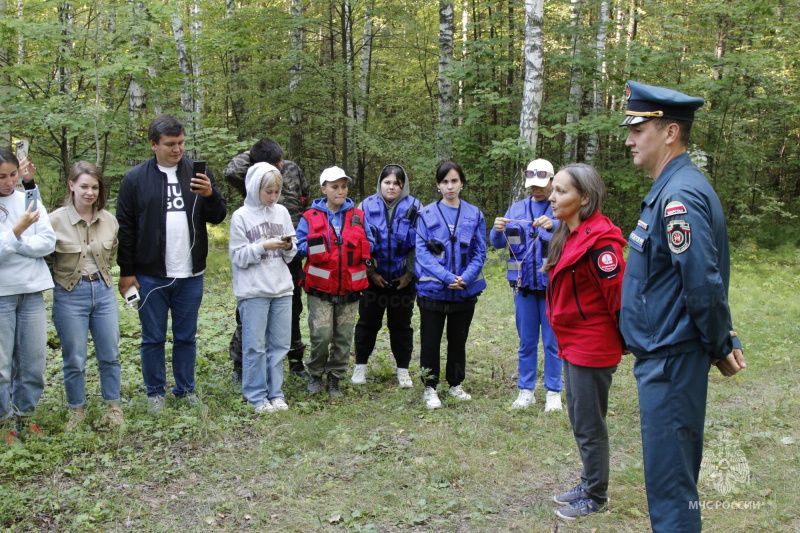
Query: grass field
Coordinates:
[377,460]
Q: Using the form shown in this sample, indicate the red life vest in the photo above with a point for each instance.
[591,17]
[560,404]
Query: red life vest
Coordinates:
[336,267]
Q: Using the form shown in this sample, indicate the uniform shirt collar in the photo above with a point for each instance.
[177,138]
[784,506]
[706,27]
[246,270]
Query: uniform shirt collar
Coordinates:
[665,176]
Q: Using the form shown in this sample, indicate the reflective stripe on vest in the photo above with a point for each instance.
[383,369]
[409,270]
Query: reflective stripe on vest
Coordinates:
[319,272]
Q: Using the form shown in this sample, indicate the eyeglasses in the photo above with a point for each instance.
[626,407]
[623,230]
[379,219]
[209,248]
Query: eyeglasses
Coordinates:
[529,174]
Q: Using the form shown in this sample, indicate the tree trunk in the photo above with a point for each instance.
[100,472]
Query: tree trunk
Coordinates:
[198,97]
[183,65]
[599,77]
[575,89]
[532,89]
[446,29]
[5,83]
[346,27]
[363,90]
[295,76]
[65,17]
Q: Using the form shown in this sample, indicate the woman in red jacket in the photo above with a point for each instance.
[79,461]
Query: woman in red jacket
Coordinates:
[583,301]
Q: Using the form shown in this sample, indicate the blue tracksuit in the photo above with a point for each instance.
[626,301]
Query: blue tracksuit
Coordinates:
[528,247]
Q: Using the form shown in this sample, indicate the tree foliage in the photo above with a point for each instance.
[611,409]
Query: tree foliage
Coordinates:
[69,70]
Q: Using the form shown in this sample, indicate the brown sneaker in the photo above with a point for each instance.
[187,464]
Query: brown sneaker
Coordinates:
[113,416]
[75,419]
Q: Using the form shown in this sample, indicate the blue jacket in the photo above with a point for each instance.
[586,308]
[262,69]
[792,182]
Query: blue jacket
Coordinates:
[530,248]
[463,256]
[675,291]
[394,238]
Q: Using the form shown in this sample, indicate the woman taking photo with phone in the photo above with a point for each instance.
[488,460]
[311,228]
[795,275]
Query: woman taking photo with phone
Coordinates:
[451,250]
[583,299]
[25,238]
[83,297]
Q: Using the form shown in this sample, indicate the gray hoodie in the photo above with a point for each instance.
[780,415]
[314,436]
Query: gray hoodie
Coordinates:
[258,273]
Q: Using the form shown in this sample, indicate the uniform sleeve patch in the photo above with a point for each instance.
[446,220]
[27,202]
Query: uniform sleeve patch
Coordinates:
[674,208]
[679,236]
[606,262]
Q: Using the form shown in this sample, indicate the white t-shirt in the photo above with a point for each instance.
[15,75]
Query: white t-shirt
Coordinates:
[178,257]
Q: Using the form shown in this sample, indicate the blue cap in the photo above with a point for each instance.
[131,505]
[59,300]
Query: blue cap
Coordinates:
[646,102]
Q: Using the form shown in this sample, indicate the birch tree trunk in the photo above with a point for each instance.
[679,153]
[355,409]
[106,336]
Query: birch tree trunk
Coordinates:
[198,96]
[346,29]
[446,30]
[136,91]
[599,76]
[66,20]
[183,65]
[575,89]
[5,82]
[363,94]
[532,88]
[295,76]
[464,39]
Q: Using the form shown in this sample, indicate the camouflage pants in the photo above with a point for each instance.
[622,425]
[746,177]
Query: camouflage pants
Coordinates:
[331,330]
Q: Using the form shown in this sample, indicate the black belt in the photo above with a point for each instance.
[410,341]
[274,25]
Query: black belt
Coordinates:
[92,277]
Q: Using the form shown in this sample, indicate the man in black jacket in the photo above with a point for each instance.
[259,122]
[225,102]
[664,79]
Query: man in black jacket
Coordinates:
[162,209]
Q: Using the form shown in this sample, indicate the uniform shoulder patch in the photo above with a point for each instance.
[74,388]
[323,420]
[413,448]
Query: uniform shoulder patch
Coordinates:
[674,208]
[605,261]
[679,236]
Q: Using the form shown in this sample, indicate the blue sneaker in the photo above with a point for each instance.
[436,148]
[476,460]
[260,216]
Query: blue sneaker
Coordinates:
[575,493]
[580,508]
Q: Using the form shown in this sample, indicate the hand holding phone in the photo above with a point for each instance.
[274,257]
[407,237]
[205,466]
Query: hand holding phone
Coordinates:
[23,147]
[200,184]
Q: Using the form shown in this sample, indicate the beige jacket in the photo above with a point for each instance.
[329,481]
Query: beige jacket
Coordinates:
[75,238]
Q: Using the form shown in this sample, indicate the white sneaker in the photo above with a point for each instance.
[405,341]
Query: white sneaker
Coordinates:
[404,378]
[431,398]
[359,375]
[458,392]
[552,401]
[265,407]
[525,399]
[280,404]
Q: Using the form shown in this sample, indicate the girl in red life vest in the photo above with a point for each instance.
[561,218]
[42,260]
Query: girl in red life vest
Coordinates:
[583,301]
[337,243]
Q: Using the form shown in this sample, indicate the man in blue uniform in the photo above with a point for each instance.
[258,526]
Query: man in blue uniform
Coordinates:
[675,316]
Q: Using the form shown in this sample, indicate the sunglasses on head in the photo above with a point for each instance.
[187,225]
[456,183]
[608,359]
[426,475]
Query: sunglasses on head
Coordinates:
[536,174]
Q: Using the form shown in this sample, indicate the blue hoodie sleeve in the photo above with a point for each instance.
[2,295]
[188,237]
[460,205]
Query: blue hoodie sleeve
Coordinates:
[302,235]
[479,256]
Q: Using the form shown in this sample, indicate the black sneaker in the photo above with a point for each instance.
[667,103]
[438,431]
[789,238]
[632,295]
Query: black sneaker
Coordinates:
[314,385]
[298,370]
[580,508]
[333,387]
[575,493]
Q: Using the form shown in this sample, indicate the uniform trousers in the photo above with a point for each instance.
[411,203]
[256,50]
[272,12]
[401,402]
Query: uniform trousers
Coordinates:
[531,315]
[672,406]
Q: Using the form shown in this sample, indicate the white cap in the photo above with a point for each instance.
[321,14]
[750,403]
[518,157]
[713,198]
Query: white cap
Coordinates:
[536,167]
[333,174]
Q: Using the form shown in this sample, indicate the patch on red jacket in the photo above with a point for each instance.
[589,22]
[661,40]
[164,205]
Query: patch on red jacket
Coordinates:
[605,261]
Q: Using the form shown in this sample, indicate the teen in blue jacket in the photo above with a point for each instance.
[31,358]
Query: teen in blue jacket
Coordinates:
[391,213]
[526,230]
[451,250]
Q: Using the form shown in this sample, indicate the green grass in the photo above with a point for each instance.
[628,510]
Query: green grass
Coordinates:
[377,460]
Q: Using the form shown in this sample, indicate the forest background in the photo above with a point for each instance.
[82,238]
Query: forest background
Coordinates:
[362,83]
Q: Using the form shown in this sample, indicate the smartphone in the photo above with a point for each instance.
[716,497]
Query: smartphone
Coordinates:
[23,147]
[198,168]
[287,238]
[31,197]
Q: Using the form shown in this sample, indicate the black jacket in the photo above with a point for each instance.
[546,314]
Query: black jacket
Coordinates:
[142,216]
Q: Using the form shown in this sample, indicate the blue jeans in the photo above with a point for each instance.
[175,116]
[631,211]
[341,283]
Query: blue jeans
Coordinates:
[531,314]
[266,337]
[89,306]
[23,337]
[181,297]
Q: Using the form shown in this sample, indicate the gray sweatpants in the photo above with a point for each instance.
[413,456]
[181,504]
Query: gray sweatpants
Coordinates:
[587,404]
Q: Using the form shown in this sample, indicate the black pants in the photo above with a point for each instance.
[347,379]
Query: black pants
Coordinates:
[297,348]
[432,324]
[399,306]
[587,404]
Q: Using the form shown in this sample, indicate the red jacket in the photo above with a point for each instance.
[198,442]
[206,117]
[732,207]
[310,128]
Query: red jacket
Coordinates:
[584,296]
